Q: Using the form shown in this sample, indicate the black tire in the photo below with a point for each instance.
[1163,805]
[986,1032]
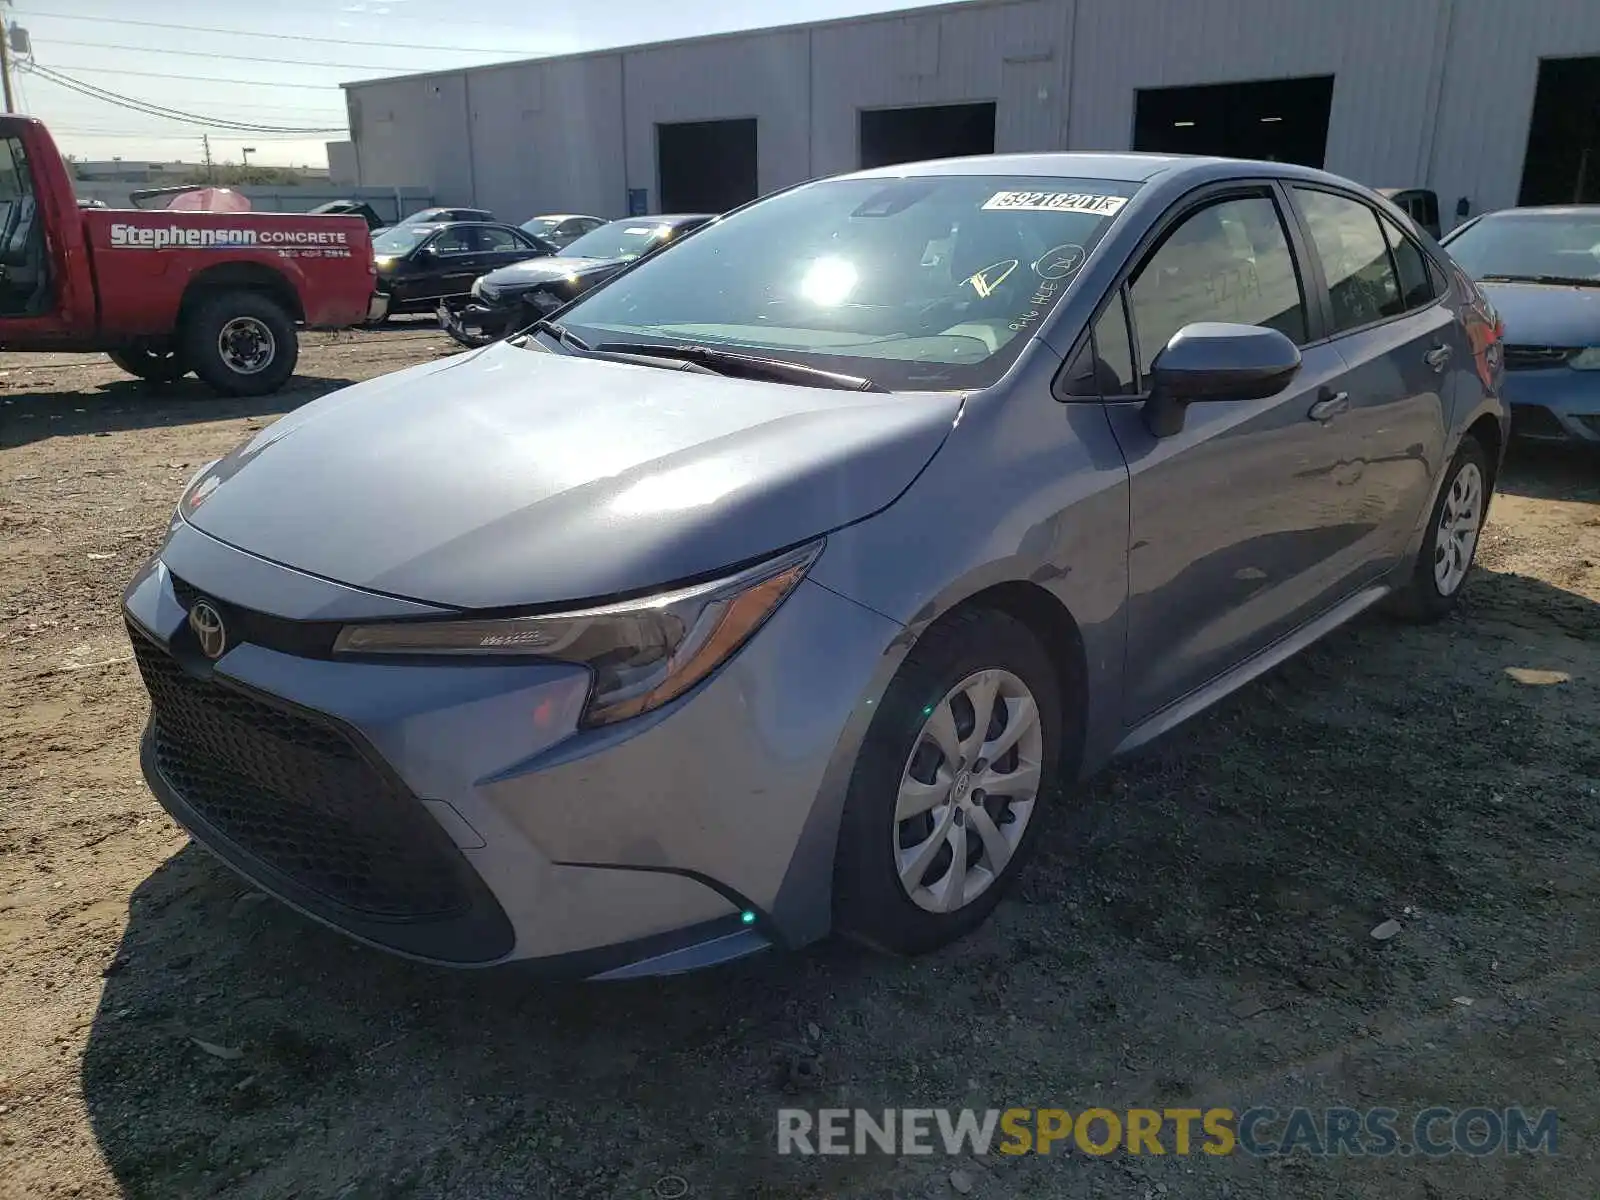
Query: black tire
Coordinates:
[1422,599]
[153,365]
[204,329]
[870,903]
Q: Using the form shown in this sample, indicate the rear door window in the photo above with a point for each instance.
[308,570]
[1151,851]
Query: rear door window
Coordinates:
[1227,261]
[1355,259]
[1411,268]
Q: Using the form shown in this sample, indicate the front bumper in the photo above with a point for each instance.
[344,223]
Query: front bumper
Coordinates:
[693,835]
[377,307]
[1555,404]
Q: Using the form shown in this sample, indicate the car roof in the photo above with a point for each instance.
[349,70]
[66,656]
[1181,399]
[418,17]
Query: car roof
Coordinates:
[1131,167]
[1548,210]
[563,217]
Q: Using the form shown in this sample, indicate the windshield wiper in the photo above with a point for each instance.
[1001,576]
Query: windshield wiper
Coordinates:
[1569,280]
[744,366]
[560,332]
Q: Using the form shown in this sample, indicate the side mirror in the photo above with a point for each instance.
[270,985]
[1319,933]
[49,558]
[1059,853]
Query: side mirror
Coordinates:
[1216,361]
[426,255]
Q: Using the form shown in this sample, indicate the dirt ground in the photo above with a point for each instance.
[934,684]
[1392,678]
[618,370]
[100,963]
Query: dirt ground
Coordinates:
[1195,930]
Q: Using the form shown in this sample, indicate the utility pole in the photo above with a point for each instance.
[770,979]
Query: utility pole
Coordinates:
[5,62]
[247,152]
[205,140]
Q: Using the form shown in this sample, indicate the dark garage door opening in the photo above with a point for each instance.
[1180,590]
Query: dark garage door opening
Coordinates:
[1562,165]
[1280,120]
[897,135]
[706,166]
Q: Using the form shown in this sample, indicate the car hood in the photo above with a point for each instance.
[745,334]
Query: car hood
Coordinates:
[1543,314]
[554,269]
[513,477]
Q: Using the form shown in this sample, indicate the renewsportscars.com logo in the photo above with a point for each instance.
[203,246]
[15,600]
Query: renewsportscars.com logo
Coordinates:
[152,237]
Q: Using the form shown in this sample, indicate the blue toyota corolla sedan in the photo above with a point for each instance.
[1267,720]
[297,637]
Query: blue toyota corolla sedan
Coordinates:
[1540,269]
[779,585]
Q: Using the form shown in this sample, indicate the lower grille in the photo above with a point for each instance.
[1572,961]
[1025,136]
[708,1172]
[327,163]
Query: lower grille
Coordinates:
[297,794]
[1532,420]
[1532,358]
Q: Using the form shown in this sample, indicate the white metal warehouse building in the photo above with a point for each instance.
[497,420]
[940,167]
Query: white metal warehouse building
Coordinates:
[1494,101]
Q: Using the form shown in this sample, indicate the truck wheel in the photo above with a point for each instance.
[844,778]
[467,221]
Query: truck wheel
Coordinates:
[241,343]
[157,366]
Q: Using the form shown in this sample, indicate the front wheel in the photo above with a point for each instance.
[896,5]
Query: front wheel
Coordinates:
[1440,572]
[945,801]
[156,366]
[242,343]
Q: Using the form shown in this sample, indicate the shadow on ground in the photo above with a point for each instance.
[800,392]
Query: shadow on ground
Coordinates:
[1551,472]
[27,417]
[1238,867]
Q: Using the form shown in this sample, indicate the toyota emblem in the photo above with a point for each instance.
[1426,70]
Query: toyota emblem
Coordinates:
[208,628]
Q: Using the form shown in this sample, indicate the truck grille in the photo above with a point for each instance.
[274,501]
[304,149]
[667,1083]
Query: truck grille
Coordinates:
[297,794]
[1533,358]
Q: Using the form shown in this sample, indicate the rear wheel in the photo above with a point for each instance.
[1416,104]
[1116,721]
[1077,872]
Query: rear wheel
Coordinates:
[157,366]
[945,801]
[241,343]
[1440,572]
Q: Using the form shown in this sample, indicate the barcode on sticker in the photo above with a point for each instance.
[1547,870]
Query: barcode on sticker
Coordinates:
[1079,202]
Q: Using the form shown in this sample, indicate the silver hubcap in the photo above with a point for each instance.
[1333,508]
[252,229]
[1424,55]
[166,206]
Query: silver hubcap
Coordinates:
[1457,535]
[968,790]
[246,345]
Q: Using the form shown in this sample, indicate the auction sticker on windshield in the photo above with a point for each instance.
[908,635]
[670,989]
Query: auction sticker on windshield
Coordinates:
[1078,202]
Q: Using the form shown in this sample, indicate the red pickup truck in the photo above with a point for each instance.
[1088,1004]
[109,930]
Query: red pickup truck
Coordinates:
[166,292]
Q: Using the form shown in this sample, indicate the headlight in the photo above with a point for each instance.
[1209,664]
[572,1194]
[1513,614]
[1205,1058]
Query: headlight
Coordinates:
[642,653]
[485,290]
[1586,360]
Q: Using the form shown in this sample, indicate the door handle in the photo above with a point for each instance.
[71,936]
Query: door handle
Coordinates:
[1330,406]
[1437,357]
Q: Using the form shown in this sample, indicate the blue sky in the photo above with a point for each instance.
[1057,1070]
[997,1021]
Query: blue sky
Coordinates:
[287,80]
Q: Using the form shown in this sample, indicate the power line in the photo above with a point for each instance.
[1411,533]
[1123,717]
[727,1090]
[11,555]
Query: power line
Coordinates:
[271,83]
[431,19]
[281,37]
[293,62]
[158,110]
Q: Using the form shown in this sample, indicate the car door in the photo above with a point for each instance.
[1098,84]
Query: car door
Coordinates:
[1236,533]
[1399,342]
[502,246]
[459,260]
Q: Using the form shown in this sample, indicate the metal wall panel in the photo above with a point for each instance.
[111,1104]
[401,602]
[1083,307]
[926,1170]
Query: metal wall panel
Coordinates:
[1487,99]
[764,76]
[945,56]
[547,137]
[1377,53]
[412,132]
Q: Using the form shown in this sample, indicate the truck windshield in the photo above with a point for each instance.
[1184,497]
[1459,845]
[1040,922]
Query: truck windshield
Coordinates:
[919,283]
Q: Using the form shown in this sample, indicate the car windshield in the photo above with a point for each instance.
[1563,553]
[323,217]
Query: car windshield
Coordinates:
[541,226]
[1530,245]
[620,239]
[920,283]
[400,239]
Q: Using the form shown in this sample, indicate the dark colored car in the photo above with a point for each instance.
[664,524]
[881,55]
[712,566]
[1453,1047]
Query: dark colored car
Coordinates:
[439,216]
[781,581]
[562,229]
[418,265]
[351,208]
[1540,268]
[515,296]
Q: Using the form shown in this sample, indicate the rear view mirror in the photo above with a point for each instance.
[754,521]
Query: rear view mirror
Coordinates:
[1216,361]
